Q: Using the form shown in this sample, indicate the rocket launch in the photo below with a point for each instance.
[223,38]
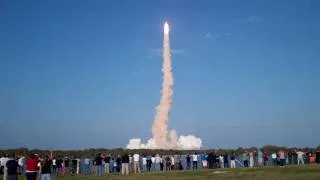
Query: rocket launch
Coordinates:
[162,138]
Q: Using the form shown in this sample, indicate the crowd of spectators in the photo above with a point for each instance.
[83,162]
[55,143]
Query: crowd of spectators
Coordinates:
[47,166]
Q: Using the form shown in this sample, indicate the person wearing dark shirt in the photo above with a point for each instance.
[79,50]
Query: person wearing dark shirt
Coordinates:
[233,160]
[74,163]
[107,164]
[59,166]
[318,156]
[66,164]
[98,164]
[46,169]
[12,167]
[188,162]
[211,160]
[118,161]
[125,164]
[226,160]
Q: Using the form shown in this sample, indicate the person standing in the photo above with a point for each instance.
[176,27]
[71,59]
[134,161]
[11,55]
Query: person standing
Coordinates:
[144,164]
[211,160]
[251,158]
[125,164]
[318,156]
[136,163]
[300,157]
[282,158]
[54,166]
[226,160]
[12,168]
[107,164]
[233,161]
[32,167]
[157,162]
[4,161]
[98,165]
[195,161]
[188,159]
[161,163]
[46,169]
[86,166]
[245,159]
[260,158]
[221,161]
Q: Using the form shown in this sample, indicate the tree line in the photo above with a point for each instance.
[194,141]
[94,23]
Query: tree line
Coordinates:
[120,151]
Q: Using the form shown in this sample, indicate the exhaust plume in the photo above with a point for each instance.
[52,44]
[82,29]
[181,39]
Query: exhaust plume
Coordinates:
[162,139]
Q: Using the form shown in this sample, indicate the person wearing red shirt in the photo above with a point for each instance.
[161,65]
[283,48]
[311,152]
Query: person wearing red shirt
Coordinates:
[32,167]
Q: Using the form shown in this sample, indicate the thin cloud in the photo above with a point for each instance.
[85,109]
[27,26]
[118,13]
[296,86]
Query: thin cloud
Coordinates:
[208,35]
[252,19]
[158,52]
[215,35]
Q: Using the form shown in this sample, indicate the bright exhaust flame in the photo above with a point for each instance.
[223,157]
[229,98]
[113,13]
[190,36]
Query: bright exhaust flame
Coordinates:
[166,28]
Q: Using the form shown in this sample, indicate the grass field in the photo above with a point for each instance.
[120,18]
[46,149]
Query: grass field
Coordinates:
[308,172]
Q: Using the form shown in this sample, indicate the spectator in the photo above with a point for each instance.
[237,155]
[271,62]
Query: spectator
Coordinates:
[98,164]
[168,163]
[290,157]
[161,163]
[226,160]
[318,156]
[265,158]
[4,161]
[86,166]
[221,160]
[300,157]
[233,161]
[260,158]
[46,169]
[195,161]
[54,165]
[282,158]
[107,164]
[144,163]
[11,167]
[118,160]
[245,159]
[149,163]
[136,163]
[210,160]
[21,163]
[153,163]
[125,164]
[176,161]
[157,162]
[66,164]
[32,167]
[188,159]
[251,158]
[274,159]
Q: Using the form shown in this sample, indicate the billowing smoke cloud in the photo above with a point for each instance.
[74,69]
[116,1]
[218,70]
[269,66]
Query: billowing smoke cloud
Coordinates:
[162,138]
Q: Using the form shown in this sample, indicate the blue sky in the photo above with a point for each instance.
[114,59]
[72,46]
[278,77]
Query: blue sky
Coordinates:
[79,74]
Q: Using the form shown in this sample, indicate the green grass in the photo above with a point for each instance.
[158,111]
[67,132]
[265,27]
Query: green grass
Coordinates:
[308,172]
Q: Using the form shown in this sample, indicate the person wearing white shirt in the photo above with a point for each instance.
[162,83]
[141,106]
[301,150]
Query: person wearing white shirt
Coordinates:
[195,161]
[136,163]
[144,163]
[4,161]
[153,161]
[221,159]
[300,155]
[274,159]
[157,162]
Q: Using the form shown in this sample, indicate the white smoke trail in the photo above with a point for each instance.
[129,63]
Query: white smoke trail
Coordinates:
[159,127]
[162,139]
